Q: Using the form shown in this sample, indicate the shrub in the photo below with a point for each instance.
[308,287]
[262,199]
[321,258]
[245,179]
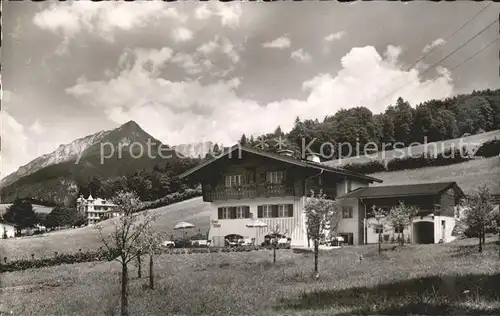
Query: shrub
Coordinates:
[58,259]
[448,157]
[171,198]
[490,148]
[366,168]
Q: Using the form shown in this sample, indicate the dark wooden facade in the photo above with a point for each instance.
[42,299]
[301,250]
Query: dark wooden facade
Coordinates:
[438,204]
[297,181]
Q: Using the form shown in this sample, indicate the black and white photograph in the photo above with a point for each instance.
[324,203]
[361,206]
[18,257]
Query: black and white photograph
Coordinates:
[250,158]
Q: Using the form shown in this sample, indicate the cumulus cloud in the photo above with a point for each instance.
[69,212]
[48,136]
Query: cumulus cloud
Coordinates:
[187,62]
[182,34]
[301,55]
[228,12]
[202,12]
[37,128]
[334,36]
[188,111]
[102,18]
[433,45]
[14,144]
[280,43]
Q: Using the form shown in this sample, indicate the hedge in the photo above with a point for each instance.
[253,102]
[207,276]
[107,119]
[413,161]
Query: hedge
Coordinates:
[490,148]
[102,255]
[171,199]
[366,168]
[448,157]
[58,259]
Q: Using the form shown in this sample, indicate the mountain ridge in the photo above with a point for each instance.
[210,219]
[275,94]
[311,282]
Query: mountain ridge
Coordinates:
[66,152]
[56,177]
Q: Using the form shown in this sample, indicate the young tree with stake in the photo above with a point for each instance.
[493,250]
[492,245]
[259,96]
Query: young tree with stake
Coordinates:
[401,217]
[381,219]
[322,214]
[126,238]
[274,241]
[150,244]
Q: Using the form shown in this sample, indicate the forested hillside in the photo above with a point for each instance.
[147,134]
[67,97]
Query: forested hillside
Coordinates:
[401,124]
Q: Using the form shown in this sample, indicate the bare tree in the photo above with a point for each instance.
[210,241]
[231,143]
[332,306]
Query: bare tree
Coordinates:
[274,240]
[381,219]
[151,245]
[125,239]
[322,215]
[479,214]
[401,217]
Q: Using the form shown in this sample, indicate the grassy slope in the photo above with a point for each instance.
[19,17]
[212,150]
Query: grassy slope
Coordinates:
[471,142]
[469,175]
[70,240]
[426,279]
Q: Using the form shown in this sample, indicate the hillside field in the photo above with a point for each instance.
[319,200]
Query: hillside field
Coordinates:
[472,143]
[86,238]
[469,176]
[440,279]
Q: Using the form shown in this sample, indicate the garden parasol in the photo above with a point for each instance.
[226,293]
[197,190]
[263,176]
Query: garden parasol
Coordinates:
[256,224]
[183,226]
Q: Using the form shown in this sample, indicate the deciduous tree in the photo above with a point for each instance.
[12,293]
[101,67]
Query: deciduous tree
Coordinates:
[126,239]
[381,219]
[400,217]
[479,215]
[21,214]
[322,218]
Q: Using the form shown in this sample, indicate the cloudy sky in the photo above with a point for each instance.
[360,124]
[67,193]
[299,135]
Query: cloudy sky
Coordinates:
[189,72]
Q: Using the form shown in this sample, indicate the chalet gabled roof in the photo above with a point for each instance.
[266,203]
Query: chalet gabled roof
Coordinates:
[403,190]
[282,158]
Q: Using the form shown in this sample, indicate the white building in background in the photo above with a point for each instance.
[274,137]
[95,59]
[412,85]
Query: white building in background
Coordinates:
[97,209]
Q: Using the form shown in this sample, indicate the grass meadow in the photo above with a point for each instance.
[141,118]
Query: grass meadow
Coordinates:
[469,175]
[86,238]
[440,279]
[472,143]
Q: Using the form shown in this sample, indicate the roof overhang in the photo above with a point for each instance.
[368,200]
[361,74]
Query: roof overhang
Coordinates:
[285,159]
[360,195]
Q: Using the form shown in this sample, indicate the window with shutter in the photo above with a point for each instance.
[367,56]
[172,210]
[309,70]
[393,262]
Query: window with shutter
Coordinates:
[265,211]
[275,210]
[224,213]
[247,211]
[220,213]
[233,212]
[241,212]
[275,176]
[282,210]
[290,210]
[347,212]
[259,211]
[233,180]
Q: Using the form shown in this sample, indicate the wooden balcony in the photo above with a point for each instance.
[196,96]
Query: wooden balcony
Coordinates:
[246,191]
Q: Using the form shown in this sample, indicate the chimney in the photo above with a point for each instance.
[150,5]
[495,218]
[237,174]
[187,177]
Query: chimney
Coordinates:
[286,152]
[313,158]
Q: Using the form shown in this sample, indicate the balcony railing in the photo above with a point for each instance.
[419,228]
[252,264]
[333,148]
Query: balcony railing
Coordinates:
[246,191]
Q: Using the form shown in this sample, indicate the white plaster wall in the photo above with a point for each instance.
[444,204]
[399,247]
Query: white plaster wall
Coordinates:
[372,237]
[295,225]
[350,225]
[446,233]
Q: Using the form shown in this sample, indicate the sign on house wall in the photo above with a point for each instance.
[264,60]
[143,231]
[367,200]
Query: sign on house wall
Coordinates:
[215,223]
